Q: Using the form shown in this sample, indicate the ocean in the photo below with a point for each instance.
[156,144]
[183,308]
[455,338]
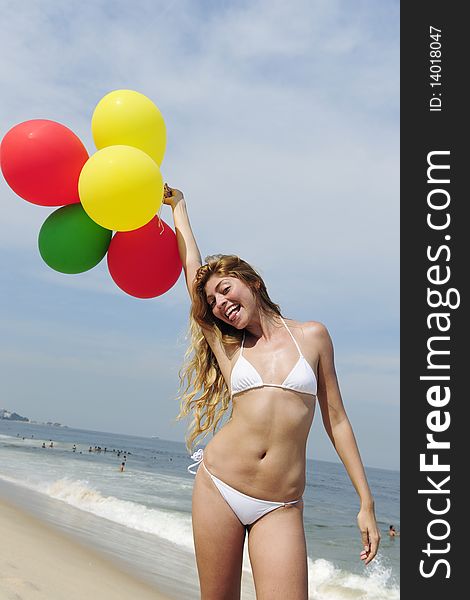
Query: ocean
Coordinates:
[141,517]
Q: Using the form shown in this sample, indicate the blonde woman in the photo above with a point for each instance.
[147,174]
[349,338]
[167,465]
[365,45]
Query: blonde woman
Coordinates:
[251,475]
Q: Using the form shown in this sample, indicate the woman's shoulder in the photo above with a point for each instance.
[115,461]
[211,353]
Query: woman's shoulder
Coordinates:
[311,329]
[313,334]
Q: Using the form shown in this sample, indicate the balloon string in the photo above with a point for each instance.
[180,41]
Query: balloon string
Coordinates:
[160,222]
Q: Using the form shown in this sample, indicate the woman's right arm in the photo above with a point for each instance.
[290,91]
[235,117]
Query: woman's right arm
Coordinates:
[187,246]
[190,256]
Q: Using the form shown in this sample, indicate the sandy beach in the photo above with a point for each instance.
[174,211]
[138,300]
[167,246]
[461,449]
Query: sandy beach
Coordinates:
[40,563]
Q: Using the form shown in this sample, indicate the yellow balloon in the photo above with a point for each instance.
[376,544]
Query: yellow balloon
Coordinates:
[120,188]
[129,118]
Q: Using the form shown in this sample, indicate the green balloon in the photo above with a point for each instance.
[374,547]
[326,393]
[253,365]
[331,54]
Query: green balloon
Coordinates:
[71,242]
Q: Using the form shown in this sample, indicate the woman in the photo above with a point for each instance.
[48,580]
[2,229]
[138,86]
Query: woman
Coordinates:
[253,469]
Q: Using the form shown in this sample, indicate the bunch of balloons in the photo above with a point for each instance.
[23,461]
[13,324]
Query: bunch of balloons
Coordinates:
[119,188]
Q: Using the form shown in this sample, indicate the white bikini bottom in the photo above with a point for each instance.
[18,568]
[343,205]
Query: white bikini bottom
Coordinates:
[247,508]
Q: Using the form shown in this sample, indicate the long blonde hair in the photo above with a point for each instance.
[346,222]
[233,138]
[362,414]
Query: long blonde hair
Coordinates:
[203,390]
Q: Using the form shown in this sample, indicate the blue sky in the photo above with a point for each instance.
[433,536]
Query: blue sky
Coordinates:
[283,132]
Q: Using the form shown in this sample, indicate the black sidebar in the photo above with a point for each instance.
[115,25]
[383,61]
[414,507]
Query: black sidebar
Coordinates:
[435,258]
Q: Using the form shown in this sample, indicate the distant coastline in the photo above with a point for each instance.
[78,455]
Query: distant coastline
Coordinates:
[8,415]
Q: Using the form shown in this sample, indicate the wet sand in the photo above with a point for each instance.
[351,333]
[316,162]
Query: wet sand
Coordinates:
[38,562]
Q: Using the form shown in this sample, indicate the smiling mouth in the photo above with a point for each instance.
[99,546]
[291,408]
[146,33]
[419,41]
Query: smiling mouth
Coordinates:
[232,312]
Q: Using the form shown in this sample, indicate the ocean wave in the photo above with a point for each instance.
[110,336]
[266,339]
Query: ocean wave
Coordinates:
[326,582]
[170,525]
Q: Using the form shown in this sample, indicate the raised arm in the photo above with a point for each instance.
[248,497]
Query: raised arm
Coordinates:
[340,432]
[187,246]
[190,257]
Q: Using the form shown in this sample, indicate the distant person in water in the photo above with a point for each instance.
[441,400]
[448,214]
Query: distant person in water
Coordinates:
[121,468]
[392,531]
[51,445]
[43,445]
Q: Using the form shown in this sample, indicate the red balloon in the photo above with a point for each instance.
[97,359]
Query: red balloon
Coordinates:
[145,262]
[41,161]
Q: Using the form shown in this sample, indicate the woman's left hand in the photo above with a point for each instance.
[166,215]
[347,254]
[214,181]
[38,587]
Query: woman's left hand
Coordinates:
[370,534]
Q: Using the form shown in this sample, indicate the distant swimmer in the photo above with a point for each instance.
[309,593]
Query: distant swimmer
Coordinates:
[74,448]
[392,532]
[43,445]
[121,468]
[51,445]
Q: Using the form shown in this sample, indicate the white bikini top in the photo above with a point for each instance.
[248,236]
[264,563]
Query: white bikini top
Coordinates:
[245,377]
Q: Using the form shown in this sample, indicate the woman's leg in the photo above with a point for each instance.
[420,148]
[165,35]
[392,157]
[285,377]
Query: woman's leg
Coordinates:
[219,538]
[278,554]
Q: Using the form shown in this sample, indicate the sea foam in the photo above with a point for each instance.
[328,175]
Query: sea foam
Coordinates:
[170,525]
[326,582]
[173,526]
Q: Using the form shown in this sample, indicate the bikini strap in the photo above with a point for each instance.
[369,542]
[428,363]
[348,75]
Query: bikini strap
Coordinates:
[198,457]
[243,341]
[295,342]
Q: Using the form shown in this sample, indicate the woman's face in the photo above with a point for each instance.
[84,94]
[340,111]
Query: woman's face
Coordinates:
[230,300]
